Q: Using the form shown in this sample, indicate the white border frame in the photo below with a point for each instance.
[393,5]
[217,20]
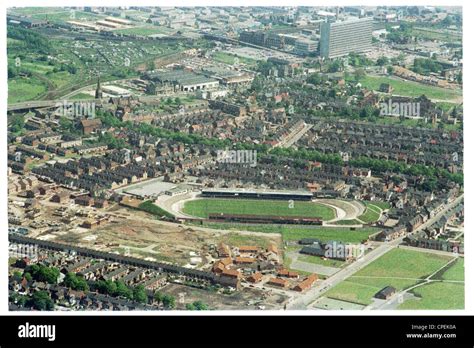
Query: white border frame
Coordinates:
[468,28]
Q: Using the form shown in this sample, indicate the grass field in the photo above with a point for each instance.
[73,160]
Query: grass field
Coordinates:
[153,209]
[231,60]
[371,214]
[347,222]
[68,15]
[443,35]
[381,205]
[353,292]
[399,268]
[204,207]
[455,272]
[436,295]
[144,31]
[26,11]
[295,233]
[404,263]
[440,295]
[21,89]
[80,96]
[411,89]
[319,261]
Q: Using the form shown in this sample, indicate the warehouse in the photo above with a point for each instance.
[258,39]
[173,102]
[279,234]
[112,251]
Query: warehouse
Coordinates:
[184,81]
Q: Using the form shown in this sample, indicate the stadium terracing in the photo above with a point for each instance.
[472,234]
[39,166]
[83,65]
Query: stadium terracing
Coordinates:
[257,194]
[265,219]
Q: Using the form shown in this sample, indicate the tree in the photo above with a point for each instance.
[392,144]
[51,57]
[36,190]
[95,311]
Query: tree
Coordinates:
[335,66]
[197,306]
[41,301]
[28,276]
[169,301]
[158,296]
[106,287]
[151,88]
[76,283]
[66,124]
[19,300]
[139,294]
[426,66]
[359,74]
[316,79]
[43,273]
[382,61]
[123,290]
[17,123]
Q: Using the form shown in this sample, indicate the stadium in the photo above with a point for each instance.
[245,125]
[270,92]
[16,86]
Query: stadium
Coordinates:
[263,207]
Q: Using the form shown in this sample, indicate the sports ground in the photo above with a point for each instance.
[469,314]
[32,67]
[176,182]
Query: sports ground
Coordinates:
[203,207]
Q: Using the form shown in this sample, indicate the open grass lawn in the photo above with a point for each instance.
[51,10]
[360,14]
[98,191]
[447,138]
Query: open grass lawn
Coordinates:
[371,214]
[347,222]
[153,209]
[381,205]
[80,96]
[443,35]
[22,89]
[40,67]
[67,15]
[295,233]
[410,88]
[204,207]
[26,11]
[353,292]
[405,263]
[343,234]
[454,272]
[399,268]
[436,295]
[63,78]
[231,59]
[319,261]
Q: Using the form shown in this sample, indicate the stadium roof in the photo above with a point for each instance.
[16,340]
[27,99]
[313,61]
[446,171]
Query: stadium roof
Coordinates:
[259,192]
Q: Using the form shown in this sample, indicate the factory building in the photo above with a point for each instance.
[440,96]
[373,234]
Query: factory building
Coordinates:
[184,81]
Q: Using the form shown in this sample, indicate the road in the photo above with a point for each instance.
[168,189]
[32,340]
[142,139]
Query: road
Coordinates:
[303,301]
[53,102]
[294,136]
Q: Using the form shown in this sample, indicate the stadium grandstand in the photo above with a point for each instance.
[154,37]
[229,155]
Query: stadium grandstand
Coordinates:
[266,219]
[257,194]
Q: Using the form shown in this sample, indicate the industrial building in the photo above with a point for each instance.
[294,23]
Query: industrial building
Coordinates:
[341,38]
[184,81]
[26,22]
[306,47]
[266,39]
